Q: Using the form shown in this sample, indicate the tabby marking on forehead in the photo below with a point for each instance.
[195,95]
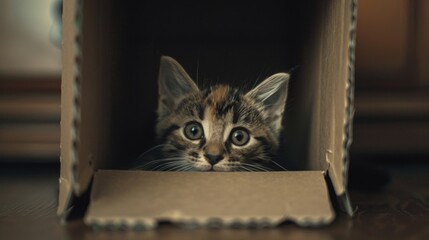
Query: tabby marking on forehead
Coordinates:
[219,94]
[220,100]
[220,128]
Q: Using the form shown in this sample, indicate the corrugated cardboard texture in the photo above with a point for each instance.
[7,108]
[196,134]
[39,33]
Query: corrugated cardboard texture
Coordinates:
[67,106]
[193,198]
[95,92]
[93,79]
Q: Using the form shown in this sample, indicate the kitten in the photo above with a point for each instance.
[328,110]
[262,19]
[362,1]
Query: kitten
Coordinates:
[216,129]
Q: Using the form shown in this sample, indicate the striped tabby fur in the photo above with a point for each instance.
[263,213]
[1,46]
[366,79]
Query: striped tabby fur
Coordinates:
[216,129]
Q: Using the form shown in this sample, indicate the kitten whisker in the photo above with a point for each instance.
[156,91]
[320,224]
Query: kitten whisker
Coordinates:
[278,165]
[158,161]
[246,168]
[159,166]
[180,169]
[183,168]
[242,169]
[190,168]
[177,167]
[162,166]
[258,167]
[151,149]
[265,157]
[166,167]
[142,158]
[171,167]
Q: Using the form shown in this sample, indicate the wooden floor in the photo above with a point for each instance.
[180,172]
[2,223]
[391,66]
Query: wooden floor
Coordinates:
[395,207]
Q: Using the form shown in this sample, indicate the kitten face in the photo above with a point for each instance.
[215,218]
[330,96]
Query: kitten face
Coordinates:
[220,128]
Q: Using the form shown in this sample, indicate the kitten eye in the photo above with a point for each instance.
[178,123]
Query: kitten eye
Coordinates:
[240,136]
[193,131]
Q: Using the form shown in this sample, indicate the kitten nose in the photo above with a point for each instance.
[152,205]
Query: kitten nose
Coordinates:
[213,159]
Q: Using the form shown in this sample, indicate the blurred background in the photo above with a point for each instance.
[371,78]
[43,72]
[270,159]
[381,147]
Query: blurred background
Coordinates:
[392,80]
[30,75]
[389,156]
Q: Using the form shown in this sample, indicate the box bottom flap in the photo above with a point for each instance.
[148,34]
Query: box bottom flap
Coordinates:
[142,198]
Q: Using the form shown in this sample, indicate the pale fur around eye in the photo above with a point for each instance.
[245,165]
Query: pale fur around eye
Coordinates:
[249,144]
[240,137]
[193,131]
[217,112]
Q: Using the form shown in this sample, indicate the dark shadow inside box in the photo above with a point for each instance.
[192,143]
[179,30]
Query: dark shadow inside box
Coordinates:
[216,42]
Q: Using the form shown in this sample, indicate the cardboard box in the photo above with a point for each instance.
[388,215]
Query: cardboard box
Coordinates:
[111,53]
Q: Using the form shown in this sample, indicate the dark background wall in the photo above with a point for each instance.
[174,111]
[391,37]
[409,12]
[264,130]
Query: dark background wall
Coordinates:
[392,69]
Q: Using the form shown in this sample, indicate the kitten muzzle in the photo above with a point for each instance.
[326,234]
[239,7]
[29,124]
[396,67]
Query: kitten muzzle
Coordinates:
[213,159]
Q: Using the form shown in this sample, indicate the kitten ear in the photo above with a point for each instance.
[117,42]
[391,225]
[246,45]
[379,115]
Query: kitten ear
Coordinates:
[174,83]
[272,93]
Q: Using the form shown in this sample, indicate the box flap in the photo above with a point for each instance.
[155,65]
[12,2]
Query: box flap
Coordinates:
[133,198]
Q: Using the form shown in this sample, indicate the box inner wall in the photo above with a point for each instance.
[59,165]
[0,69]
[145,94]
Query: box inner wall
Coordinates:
[216,43]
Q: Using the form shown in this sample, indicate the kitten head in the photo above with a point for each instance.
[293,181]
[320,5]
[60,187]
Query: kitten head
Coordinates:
[220,128]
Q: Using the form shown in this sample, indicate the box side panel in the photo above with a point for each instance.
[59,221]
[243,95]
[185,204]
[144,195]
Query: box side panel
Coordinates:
[67,106]
[261,198]
[330,88]
[94,103]
[350,32]
[344,109]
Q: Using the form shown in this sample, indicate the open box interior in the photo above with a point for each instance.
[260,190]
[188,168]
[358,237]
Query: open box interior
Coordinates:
[111,54]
